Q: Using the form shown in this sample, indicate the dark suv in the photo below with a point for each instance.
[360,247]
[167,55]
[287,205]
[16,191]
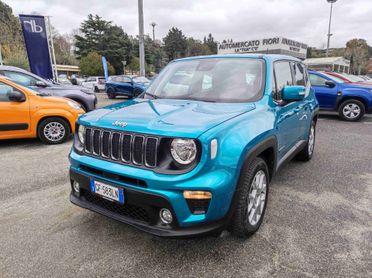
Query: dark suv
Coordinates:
[85,97]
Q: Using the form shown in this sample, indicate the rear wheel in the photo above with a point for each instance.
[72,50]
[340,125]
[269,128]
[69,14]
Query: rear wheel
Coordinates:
[252,199]
[307,152]
[96,89]
[53,130]
[351,110]
[111,94]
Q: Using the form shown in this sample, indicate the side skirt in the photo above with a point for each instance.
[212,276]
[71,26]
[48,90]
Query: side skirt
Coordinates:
[291,153]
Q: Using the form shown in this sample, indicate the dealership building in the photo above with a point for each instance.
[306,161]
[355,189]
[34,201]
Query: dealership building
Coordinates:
[274,45]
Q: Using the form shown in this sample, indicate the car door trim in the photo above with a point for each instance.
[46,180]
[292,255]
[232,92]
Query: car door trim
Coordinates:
[10,127]
[291,153]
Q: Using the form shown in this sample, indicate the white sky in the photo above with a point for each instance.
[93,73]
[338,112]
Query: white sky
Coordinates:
[302,20]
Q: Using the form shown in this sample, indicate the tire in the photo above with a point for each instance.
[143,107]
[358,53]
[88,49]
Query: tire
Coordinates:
[96,89]
[255,175]
[136,93]
[351,110]
[307,152]
[53,130]
[110,94]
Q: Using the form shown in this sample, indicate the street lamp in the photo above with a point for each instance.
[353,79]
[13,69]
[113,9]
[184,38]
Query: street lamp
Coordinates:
[141,38]
[329,24]
[153,24]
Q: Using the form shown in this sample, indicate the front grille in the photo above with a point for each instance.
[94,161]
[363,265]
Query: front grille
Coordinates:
[122,147]
[126,210]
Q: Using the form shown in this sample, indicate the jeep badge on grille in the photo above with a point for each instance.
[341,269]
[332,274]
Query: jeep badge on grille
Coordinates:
[121,124]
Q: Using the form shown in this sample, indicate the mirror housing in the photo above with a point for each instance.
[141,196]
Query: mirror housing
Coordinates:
[330,84]
[17,96]
[293,93]
[40,84]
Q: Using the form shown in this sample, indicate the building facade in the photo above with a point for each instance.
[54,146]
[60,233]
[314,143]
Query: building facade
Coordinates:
[274,45]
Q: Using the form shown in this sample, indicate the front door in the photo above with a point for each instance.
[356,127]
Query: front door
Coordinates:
[15,116]
[326,96]
[287,122]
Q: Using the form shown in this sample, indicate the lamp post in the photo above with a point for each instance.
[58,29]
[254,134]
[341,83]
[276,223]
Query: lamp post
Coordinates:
[329,25]
[153,24]
[141,38]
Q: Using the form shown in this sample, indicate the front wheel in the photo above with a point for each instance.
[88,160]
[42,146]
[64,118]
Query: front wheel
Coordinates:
[53,131]
[351,110]
[252,199]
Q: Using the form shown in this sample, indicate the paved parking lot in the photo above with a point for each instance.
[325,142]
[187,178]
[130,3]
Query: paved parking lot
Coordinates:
[318,221]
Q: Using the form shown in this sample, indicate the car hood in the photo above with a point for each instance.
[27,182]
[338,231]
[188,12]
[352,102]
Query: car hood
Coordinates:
[165,117]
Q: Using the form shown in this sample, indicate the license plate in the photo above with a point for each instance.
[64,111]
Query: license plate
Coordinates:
[109,192]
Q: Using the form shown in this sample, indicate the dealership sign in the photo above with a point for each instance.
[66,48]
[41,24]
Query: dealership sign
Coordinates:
[278,44]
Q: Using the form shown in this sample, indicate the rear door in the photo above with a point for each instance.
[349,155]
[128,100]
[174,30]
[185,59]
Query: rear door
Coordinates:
[126,85]
[15,116]
[287,122]
[326,96]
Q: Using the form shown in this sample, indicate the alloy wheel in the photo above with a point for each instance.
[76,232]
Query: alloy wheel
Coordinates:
[311,142]
[54,131]
[257,198]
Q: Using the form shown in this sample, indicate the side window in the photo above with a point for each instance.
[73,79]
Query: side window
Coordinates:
[126,79]
[21,78]
[5,90]
[317,80]
[283,77]
[298,73]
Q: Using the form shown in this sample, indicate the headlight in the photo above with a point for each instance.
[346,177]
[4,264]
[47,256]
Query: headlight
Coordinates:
[183,150]
[81,133]
[74,105]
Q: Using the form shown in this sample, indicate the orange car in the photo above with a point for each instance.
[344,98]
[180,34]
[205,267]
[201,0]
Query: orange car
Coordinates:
[25,114]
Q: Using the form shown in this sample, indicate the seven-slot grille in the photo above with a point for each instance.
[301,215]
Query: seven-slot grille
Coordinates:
[122,147]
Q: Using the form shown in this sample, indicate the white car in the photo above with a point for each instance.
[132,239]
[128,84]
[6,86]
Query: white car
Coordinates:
[96,83]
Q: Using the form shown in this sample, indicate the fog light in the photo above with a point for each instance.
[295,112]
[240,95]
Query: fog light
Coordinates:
[76,186]
[165,216]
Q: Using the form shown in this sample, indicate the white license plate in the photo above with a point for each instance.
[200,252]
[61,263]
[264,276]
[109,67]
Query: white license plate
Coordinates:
[107,191]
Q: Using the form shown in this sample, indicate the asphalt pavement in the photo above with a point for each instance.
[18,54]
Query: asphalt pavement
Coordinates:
[318,220]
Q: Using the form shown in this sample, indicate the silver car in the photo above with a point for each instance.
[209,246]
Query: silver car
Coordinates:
[84,96]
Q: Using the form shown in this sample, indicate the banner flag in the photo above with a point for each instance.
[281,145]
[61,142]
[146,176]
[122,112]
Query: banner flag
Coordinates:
[36,40]
[105,67]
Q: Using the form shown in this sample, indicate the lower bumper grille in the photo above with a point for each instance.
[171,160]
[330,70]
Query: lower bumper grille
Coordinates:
[126,210]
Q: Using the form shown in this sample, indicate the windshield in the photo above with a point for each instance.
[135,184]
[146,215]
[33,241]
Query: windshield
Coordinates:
[334,78]
[141,79]
[214,79]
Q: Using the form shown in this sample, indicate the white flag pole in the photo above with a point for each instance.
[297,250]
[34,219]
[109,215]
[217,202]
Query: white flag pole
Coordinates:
[53,56]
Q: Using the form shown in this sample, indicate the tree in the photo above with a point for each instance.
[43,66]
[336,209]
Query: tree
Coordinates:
[134,65]
[91,65]
[357,52]
[175,44]
[63,49]
[211,43]
[99,35]
[196,48]
[11,39]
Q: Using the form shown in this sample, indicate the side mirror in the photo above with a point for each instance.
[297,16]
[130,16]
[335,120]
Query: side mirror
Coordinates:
[40,84]
[330,84]
[16,96]
[293,93]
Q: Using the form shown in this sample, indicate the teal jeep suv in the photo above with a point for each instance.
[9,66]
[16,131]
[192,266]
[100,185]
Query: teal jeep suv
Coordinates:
[195,153]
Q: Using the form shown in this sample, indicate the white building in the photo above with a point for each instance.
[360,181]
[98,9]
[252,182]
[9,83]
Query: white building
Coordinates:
[338,64]
[275,45]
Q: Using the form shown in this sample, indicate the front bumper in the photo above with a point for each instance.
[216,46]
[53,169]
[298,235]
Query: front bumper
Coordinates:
[141,210]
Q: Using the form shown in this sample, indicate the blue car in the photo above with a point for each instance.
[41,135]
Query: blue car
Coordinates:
[123,85]
[196,153]
[350,100]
